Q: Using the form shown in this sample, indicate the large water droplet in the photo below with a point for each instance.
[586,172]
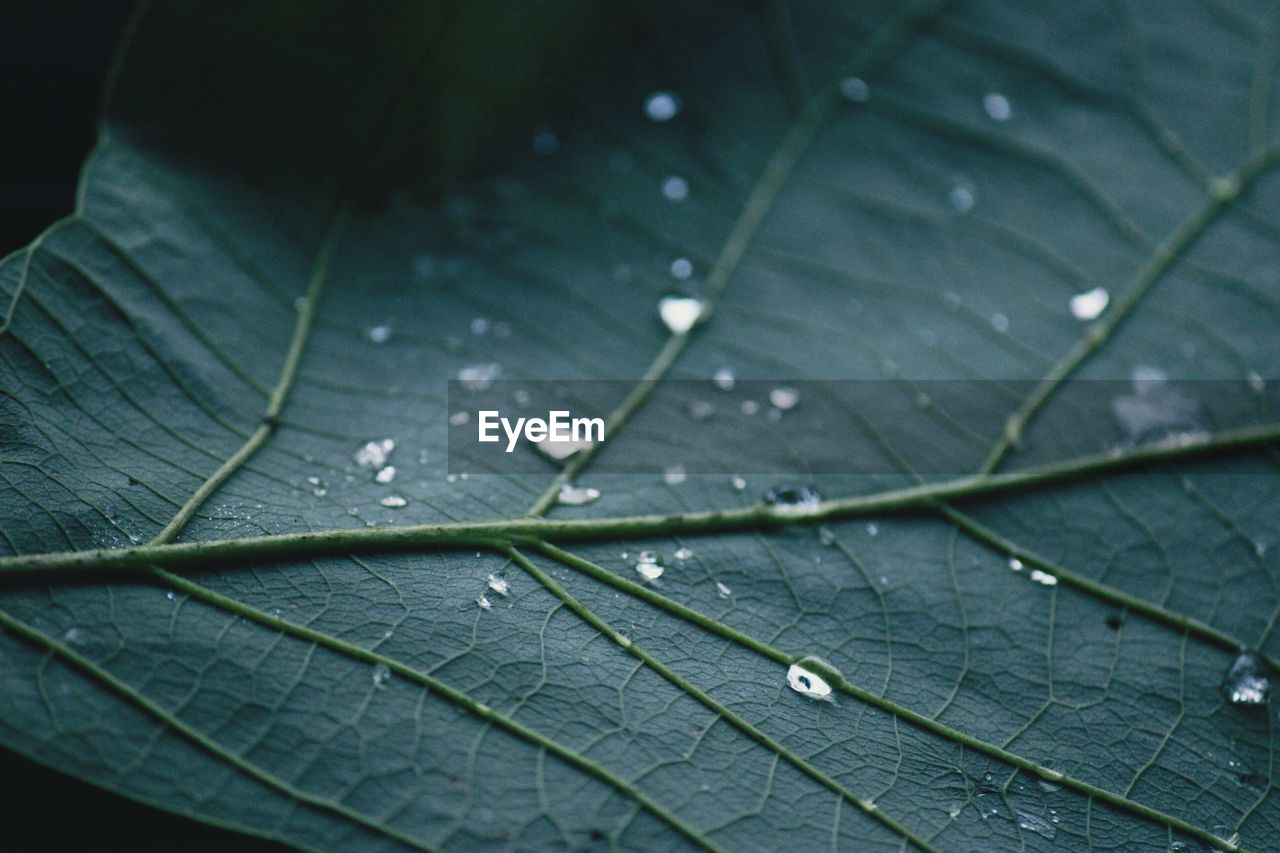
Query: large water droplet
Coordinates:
[479,377]
[381,675]
[571,495]
[1248,681]
[498,583]
[649,565]
[1043,578]
[855,89]
[662,106]
[792,496]
[675,188]
[997,106]
[394,502]
[680,313]
[385,475]
[373,454]
[483,601]
[784,398]
[803,679]
[1090,304]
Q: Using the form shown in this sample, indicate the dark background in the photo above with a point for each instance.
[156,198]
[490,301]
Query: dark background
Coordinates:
[54,56]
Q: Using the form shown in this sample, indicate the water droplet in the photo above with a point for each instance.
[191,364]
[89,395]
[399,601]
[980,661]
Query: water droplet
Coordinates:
[661,106]
[680,313]
[1015,564]
[724,379]
[683,553]
[1248,681]
[723,590]
[855,89]
[479,377]
[479,326]
[1000,323]
[750,408]
[961,199]
[700,410]
[380,334]
[394,502]
[545,143]
[784,398]
[739,484]
[675,188]
[381,675]
[562,450]
[459,418]
[385,475]
[483,601]
[1157,410]
[674,475]
[171,595]
[1036,824]
[1043,578]
[802,678]
[954,811]
[1256,383]
[649,565]
[826,536]
[571,495]
[997,106]
[792,496]
[373,454]
[1090,304]
[499,583]
[681,268]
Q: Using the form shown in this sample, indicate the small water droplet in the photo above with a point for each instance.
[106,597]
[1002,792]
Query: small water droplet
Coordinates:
[826,536]
[381,675]
[394,502]
[483,601]
[681,269]
[479,377]
[459,418]
[1256,383]
[1037,824]
[784,398]
[954,811]
[373,454]
[571,495]
[700,410]
[997,106]
[1248,682]
[480,326]
[674,475]
[499,583]
[724,379]
[380,334]
[171,595]
[1000,323]
[545,143]
[805,681]
[792,496]
[683,553]
[1090,304]
[661,106]
[649,565]
[723,590]
[1043,578]
[675,188]
[385,475]
[680,313]
[1015,564]
[855,89]
[961,199]
[873,529]
[562,450]
[1157,410]
[739,484]
[750,408]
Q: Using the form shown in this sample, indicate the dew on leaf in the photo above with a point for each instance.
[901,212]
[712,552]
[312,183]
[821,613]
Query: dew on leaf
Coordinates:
[545,143]
[394,502]
[784,397]
[381,675]
[1036,824]
[662,106]
[674,475]
[459,418]
[380,334]
[479,326]
[1015,564]
[803,678]
[961,199]
[700,410]
[498,583]
[680,313]
[792,496]
[373,454]
[855,89]
[683,553]
[1256,383]
[1000,322]
[826,536]
[649,565]
[483,601]
[723,589]
[1090,304]
[1043,578]
[739,484]
[873,529]
[561,450]
[750,408]
[724,379]
[1157,410]
[385,475]
[1248,681]
[478,377]
[997,106]
[675,188]
[571,495]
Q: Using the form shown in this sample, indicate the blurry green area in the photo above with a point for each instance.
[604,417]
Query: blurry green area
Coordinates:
[374,94]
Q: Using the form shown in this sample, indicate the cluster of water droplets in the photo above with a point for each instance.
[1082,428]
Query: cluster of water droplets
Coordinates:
[497,584]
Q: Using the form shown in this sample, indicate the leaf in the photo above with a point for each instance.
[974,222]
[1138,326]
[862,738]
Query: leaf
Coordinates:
[187,360]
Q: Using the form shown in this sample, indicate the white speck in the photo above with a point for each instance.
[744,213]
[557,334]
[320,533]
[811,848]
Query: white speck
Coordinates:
[373,454]
[649,565]
[459,418]
[1000,322]
[675,188]
[962,199]
[661,106]
[683,553]
[545,143]
[681,268]
[724,591]
[1090,304]
[380,334]
[739,484]
[571,495]
[997,106]
[499,584]
[480,326]
[784,398]
[855,89]
[674,475]
[724,379]
[483,600]
[381,675]
[1043,578]
[807,683]
[680,313]
[394,502]
[478,377]
[385,475]
[1015,564]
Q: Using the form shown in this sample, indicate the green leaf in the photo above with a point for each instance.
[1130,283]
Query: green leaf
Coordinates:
[207,606]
